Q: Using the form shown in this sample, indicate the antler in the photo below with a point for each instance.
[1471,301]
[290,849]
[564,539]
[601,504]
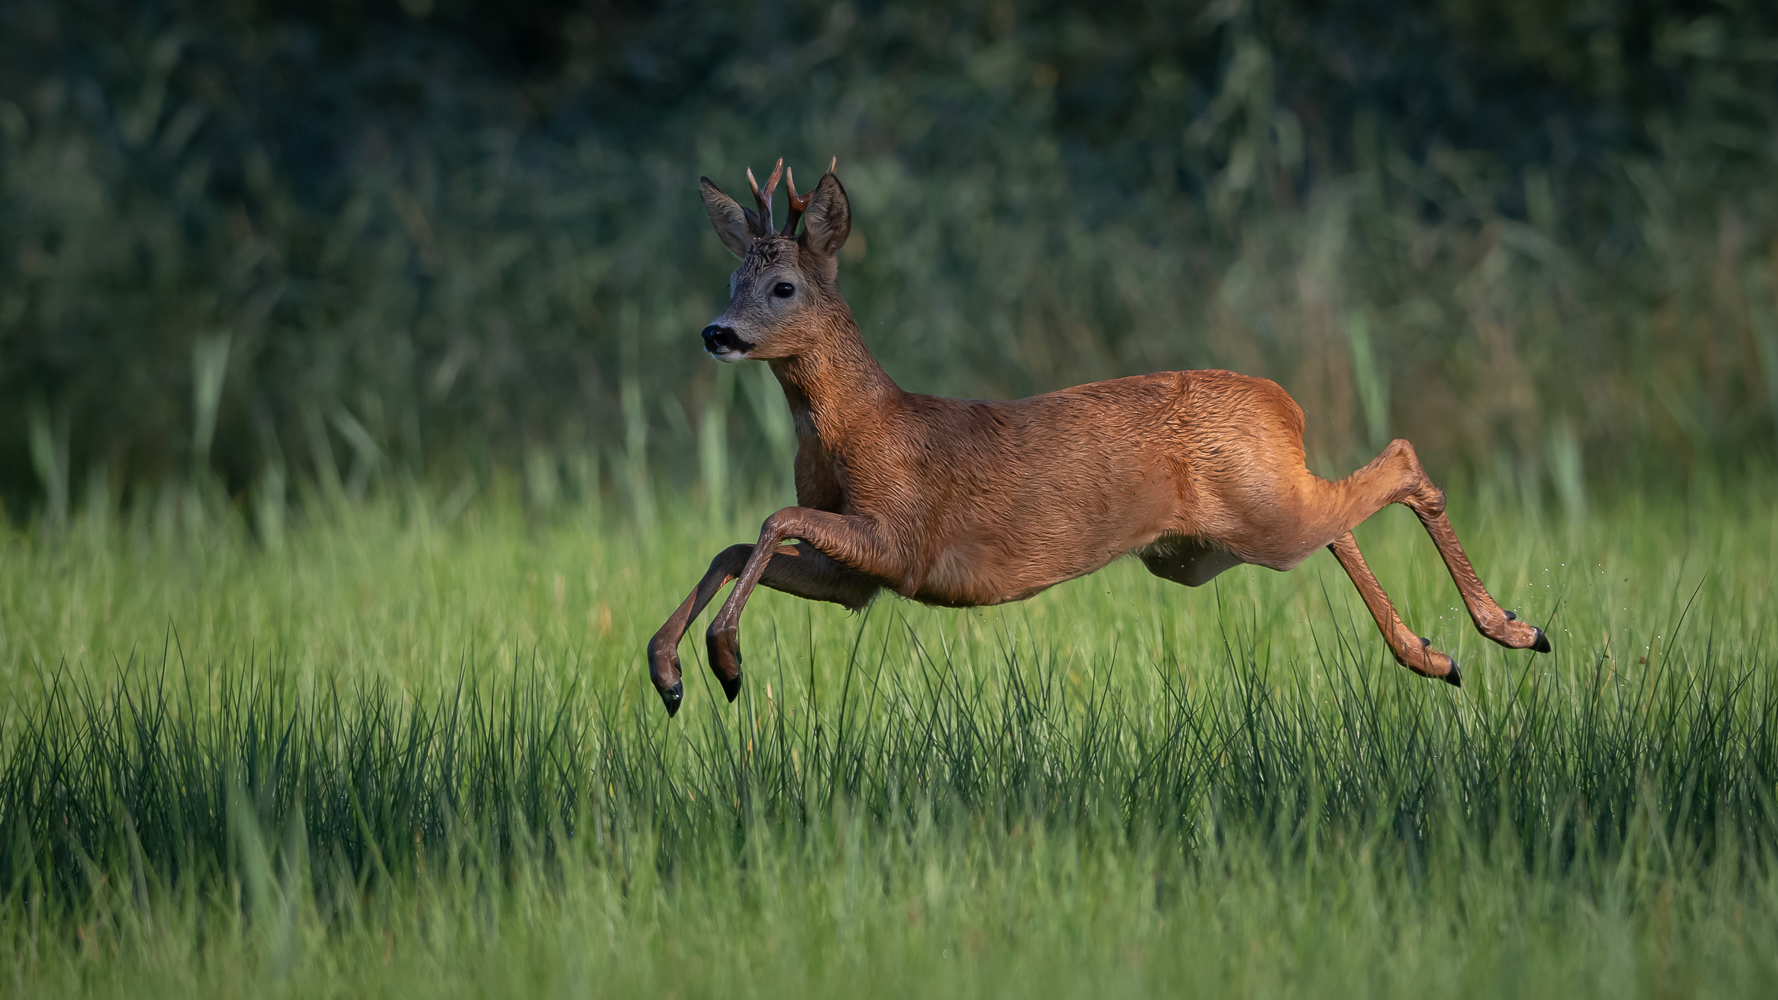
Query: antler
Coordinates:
[799,205]
[765,199]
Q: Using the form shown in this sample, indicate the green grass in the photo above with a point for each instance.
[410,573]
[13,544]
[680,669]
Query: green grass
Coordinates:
[414,753]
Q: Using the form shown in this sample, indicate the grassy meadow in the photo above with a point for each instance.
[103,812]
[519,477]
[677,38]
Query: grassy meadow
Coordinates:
[355,436]
[411,750]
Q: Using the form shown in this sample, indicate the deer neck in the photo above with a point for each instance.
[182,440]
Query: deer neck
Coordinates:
[834,386]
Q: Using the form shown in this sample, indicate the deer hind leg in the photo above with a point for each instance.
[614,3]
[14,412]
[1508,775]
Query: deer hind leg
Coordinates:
[1396,476]
[1410,650]
[794,569]
[1490,618]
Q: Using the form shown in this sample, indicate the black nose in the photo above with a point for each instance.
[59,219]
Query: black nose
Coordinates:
[723,338]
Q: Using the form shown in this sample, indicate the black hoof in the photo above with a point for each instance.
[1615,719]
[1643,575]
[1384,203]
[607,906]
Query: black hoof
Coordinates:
[1511,617]
[673,696]
[1542,643]
[731,686]
[1455,677]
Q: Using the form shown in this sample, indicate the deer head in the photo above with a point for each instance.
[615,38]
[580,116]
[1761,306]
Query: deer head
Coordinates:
[786,287]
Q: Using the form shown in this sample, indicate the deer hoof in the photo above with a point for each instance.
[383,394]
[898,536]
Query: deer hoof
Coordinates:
[663,667]
[1510,616]
[1541,644]
[1454,676]
[725,659]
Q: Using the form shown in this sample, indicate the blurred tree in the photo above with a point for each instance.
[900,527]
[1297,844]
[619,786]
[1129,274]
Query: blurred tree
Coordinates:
[439,232]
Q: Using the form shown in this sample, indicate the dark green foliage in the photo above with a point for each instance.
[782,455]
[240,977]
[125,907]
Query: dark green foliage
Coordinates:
[422,236]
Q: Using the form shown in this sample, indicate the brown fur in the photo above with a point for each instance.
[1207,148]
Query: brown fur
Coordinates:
[965,502]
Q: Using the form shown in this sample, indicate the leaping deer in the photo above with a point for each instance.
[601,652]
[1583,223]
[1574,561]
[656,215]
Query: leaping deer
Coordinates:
[959,502]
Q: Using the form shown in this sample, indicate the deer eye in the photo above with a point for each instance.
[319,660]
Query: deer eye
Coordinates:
[784,289]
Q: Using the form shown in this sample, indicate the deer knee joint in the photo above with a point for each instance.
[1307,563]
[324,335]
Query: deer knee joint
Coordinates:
[733,556]
[776,527]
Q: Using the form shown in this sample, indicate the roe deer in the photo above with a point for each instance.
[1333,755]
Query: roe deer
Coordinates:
[962,502]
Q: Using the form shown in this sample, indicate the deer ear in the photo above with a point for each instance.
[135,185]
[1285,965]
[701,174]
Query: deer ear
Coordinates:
[729,218]
[828,219]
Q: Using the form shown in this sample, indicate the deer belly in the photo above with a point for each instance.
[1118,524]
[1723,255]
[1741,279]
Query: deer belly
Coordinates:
[1042,525]
[973,572]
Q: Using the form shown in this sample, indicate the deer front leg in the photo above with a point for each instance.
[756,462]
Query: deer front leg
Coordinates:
[851,541]
[794,569]
[663,649]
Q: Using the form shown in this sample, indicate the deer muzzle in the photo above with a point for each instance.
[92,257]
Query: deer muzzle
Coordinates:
[724,343]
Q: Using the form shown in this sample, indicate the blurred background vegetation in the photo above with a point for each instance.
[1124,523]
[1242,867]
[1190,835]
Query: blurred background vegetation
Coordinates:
[305,248]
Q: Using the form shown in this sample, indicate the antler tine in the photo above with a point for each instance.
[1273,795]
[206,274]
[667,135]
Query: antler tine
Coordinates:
[765,207]
[765,198]
[798,205]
